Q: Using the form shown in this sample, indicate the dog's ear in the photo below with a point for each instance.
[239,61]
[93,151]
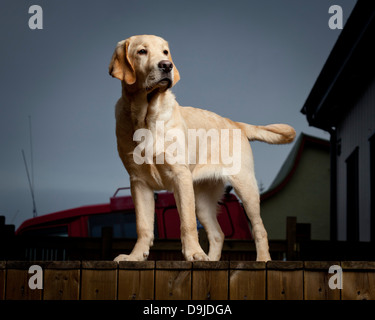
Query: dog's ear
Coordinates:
[120,66]
[176,74]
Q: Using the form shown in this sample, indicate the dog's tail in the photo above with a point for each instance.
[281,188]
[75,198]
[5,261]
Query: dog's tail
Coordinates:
[273,133]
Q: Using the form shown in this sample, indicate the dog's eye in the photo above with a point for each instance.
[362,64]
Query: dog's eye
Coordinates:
[165,52]
[142,51]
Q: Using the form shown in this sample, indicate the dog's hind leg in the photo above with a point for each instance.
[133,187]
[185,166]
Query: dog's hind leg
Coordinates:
[246,188]
[207,195]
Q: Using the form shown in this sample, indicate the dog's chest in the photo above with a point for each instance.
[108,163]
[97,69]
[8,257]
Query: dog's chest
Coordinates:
[156,175]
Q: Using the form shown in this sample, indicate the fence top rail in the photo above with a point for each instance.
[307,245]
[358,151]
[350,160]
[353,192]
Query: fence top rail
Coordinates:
[137,265]
[211,265]
[320,265]
[187,265]
[284,265]
[62,265]
[358,265]
[100,265]
[171,265]
[247,265]
[24,265]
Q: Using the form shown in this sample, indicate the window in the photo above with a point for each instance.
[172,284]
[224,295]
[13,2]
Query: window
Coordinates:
[53,231]
[123,224]
[372,185]
[171,221]
[352,197]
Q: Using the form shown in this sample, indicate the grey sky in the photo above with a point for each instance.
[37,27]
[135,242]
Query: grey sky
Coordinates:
[251,61]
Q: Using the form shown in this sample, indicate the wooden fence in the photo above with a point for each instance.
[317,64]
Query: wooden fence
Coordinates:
[171,280]
[296,246]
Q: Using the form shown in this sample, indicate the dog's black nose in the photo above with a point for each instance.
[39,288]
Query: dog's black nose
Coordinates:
[165,65]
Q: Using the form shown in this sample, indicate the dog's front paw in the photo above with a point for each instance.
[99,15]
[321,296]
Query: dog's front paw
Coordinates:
[122,257]
[265,257]
[131,257]
[198,256]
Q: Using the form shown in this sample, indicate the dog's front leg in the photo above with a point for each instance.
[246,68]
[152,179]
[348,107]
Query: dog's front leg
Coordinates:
[144,202]
[184,195]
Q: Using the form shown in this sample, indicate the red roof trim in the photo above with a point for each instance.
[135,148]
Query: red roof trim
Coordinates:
[115,204]
[64,215]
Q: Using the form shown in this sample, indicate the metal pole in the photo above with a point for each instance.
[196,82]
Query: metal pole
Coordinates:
[31,188]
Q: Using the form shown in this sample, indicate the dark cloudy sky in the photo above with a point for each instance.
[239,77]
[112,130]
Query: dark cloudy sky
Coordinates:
[251,61]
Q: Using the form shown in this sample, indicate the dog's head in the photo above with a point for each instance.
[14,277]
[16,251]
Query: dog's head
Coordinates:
[144,62]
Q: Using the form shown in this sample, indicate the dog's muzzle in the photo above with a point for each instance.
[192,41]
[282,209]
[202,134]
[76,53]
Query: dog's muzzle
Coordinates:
[165,66]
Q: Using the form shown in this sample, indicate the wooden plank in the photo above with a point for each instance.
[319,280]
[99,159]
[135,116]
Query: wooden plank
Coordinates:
[136,280]
[99,280]
[173,280]
[358,265]
[284,280]
[358,280]
[17,281]
[284,265]
[62,280]
[316,281]
[247,280]
[2,279]
[210,280]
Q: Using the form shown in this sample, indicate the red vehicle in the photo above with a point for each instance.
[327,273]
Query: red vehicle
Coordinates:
[119,213]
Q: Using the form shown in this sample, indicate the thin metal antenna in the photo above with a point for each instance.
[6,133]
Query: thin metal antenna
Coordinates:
[30,185]
[31,154]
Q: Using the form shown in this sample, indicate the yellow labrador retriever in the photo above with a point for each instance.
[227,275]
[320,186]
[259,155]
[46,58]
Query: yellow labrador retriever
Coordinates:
[189,151]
